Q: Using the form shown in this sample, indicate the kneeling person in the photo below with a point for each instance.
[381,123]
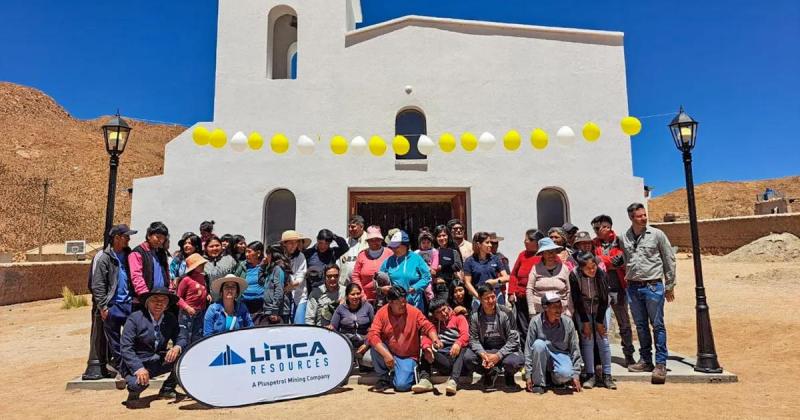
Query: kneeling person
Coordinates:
[453,330]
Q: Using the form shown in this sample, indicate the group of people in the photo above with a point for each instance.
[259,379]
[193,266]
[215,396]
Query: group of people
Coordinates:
[450,306]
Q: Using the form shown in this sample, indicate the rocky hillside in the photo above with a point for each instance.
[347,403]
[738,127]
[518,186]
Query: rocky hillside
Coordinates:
[39,140]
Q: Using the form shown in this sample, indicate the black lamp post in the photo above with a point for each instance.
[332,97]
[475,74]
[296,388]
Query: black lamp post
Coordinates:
[684,133]
[116,132]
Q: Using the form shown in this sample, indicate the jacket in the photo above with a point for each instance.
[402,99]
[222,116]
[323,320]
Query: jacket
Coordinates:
[138,342]
[540,281]
[276,301]
[519,274]
[218,267]
[583,288]
[365,269]
[314,258]
[607,251]
[214,320]
[650,257]
[322,305]
[454,330]
[400,334]
[408,272]
[562,339]
[105,275]
[477,332]
[140,262]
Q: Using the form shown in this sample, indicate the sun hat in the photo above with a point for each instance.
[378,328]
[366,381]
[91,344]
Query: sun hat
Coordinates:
[184,238]
[547,244]
[293,235]
[582,236]
[193,261]
[217,284]
[494,238]
[374,232]
[399,238]
[550,297]
[160,291]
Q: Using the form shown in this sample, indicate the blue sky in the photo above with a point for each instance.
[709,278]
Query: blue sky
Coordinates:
[734,64]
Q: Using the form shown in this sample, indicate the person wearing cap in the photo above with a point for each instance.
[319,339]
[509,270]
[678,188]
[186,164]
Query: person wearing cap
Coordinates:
[570,230]
[450,267]
[607,245]
[495,240]
[649,263]
[518,284]
[453,331]
[493,341]
[144,344]
[583,243]
[552,347]
[228,313]
[323,300]
[275,273]
[253,295]
[549,275]
[407,270]
[590,298]
[219,264]
[357,242]
[369,262]
[484,267]
[188,244]
[111,299]
[322,253]
[294,243]
[193,297]
[148,261]
[559,236]
[459,232]
[395,340]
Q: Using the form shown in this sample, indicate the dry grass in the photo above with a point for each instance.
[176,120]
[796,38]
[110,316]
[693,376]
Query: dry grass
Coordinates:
[71,300]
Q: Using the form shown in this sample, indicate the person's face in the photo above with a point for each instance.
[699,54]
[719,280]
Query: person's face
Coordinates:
[156,240]
[229,290]
[291,246]
[550,257]
[489,301]
[241,246]
[571,237]
[553,311]
[188,248]
[639,218]
[332,279]
[602,230]
[157,305]
[531,246]
[354,298]
[590,269]
[323,245]
[121,241]
[355,230]
[495,245]
[425,244]
[398,306]
[458,294]
[584,246]
[443,313]
[557,239]
[252,256]
[486,246]
[441,239]
[458,232]
[400,250]
[374,244]
[214,248]
[225,244]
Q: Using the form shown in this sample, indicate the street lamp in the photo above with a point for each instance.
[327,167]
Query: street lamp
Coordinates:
[684,134]
[115,132]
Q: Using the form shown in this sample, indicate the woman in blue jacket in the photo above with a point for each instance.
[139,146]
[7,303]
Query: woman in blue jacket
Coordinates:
[228,313]
[407,270]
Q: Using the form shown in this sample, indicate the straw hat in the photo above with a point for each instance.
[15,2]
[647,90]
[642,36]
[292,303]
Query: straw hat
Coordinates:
[216,285]
[293,235]
[193,261]
[494,238]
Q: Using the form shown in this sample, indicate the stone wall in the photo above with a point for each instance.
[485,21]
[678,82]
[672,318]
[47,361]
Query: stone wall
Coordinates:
[26,282]
[721,236]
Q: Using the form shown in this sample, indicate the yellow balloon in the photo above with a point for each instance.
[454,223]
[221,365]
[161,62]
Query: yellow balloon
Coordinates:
[539,139]
[255,141]
[468,141]
[377,146]
[279,143]
[401,145]
[591,131]
[631,126]
[512,140]
[201,135]
[447,142]
[339,145]
[217,139]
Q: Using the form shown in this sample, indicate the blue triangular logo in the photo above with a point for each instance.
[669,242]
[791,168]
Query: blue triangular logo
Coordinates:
[227,357]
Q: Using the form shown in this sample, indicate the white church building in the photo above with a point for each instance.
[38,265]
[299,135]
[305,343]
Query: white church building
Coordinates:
[301,67]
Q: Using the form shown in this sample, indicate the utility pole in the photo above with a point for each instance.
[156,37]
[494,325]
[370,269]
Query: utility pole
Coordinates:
[43,220]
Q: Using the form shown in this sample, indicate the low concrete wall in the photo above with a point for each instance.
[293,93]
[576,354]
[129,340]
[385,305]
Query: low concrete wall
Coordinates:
[26,282]
[721,236]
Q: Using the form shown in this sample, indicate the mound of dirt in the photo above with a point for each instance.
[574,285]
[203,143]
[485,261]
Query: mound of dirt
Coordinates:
[777,247]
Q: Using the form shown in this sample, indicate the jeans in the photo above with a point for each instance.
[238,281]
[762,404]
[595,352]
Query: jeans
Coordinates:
[587,347]
[511,363]
[112,326]
[405,370]
[621,313]
[444,362]
[193,324]
[155,368]
[542,360]
[647,307]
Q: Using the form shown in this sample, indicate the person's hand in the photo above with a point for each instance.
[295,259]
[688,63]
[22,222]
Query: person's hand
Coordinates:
[455,350]
[104,314]
[612,298]
[587,330]
[427,353]
[362,349]
[618,260]
[389,361]
[273,318]
[437,344]
[529,384]
[142,377]
[493,282]
[330,327]
[460,310]
[190,311]
[576,383]
[601,329]
[491,360]
[669,295]
[433,271]
[172,354]
[512,297]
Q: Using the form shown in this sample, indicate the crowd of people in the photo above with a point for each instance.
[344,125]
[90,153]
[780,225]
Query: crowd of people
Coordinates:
[452,306]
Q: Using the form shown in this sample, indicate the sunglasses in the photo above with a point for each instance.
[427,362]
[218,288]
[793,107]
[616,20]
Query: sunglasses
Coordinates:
[458,228]
[331,276]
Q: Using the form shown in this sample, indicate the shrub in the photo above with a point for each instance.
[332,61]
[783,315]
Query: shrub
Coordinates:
[71,300]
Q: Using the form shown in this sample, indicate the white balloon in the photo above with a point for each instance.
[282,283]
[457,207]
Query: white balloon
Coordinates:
[486,141]
[566,135]
[426,145]
[305,145]
[239,142]
[358,146]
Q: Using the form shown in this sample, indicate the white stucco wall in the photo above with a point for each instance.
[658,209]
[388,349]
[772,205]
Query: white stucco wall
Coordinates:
[464,77]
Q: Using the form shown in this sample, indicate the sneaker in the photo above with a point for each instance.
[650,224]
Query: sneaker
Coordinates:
[641,366]
[538,389]
[383,384]
[609,382]
[629,360]
[451,387]
[167,394]
[589,383]
[659,374]
[424,385]
[490,378]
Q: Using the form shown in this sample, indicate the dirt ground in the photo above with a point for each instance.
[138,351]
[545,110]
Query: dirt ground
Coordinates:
[752,308]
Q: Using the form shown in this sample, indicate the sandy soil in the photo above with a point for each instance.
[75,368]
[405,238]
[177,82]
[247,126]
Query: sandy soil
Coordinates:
[752,307]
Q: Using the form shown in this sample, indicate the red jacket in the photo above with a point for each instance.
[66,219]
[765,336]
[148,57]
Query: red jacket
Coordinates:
[455,330]
[519,274]
[401,333]
[606,254]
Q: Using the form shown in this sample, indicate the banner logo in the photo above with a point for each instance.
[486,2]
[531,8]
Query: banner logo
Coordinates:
[227,357]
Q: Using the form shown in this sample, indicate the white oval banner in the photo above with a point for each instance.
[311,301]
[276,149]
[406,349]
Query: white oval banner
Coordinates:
[265,364]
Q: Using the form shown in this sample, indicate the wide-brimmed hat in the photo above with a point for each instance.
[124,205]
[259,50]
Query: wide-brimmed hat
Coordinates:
[399,238]
[193,261]
[494,238]
[582,236]
[293,235]
[216,285]
[160,291]
[547,244]
[374,232]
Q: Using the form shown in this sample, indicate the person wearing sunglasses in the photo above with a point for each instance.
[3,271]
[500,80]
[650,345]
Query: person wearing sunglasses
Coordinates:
[323,301]
[459,232]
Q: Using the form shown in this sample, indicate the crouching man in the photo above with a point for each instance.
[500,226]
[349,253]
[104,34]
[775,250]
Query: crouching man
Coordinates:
[453,330]
[552,347]
[144,345]
[395,340]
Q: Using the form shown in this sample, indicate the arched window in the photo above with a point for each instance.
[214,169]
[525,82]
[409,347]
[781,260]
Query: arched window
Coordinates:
[551,208]
[281,43]
[411,124]
[280,211]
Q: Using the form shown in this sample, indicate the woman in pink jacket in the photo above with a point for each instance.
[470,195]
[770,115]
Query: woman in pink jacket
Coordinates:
[369,262]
